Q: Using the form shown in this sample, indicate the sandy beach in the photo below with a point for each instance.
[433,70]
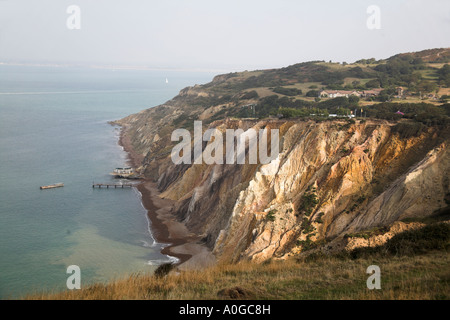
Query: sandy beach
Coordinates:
[164,227]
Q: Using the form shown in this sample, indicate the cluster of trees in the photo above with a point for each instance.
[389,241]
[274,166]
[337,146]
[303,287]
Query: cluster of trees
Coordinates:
[289,107]
[302,112]
[398,66]
[288,91]
[444,75]
[335,79]
[270,105]
[249,95]
[341,102]
[405,71]
[367,61]
[313,93]
[397,71]
[427,114]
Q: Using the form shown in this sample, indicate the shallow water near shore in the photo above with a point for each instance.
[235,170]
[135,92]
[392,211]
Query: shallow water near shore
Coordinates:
[53,128]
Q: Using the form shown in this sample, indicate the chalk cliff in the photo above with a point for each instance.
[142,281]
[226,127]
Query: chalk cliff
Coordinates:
[331,178]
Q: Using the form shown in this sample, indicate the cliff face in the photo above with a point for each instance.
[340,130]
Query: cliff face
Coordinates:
[331,178]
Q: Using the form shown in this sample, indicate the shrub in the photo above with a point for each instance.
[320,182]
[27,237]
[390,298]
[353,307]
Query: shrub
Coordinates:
[361,199]
[411,242]
[249,95]
[309,201]
[368,234]
[408,129]
[319,217]
[288,91]
[432,237]
[307,226]
[164,270]
[271,215]
[312,93]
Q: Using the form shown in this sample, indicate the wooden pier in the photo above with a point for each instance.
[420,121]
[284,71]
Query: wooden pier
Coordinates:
[112,185]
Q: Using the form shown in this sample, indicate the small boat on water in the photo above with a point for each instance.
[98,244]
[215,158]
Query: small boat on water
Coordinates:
[52,186]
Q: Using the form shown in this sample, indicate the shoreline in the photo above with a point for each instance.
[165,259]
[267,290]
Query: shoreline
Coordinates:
[164,228]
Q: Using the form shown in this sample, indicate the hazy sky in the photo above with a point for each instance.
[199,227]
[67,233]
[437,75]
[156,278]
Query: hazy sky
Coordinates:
[219,35]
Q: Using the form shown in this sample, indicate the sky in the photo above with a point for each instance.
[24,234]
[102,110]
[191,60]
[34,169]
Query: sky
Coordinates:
[231,35]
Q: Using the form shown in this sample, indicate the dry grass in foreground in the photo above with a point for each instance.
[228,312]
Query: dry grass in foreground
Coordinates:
[414,265]
[420,277]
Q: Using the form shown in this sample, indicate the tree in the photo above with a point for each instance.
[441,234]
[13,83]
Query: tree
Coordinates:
[444,75]
[343,111]
[353,100]
[375,83]
[426,86]
[312,93]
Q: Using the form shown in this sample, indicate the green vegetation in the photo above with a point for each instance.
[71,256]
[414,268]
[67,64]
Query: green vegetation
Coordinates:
[408,129]
[271,215]
[312,93]
[425,113]
[367,61]
[249,95]
[308,202]
[303,112]
[307,226]
[319,217]
[293,91]
[163,270]
[307,244]
[411,242]
[288,91]
[368,233]
[444,75]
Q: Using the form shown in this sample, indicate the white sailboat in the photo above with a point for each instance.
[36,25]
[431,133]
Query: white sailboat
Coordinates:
[167,80]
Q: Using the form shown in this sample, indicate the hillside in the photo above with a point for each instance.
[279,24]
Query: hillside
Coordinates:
[332,177]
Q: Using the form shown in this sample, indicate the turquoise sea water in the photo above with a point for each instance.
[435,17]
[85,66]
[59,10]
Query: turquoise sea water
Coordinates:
[53,128]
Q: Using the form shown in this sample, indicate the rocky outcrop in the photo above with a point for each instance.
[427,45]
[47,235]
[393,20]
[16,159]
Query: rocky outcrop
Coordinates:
[355,242]
[330,178]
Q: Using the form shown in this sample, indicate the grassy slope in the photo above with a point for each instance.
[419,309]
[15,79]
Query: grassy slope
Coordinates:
[414,265]
[420,277]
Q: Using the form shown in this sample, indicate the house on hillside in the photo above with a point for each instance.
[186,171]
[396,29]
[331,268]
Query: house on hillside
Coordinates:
[338,93]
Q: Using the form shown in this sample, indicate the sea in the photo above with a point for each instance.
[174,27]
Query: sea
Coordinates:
[54,129]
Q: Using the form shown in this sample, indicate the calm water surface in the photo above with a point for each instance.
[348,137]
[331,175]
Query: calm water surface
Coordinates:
[53,128]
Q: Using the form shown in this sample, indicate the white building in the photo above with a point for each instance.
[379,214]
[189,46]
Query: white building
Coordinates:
[339,93]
